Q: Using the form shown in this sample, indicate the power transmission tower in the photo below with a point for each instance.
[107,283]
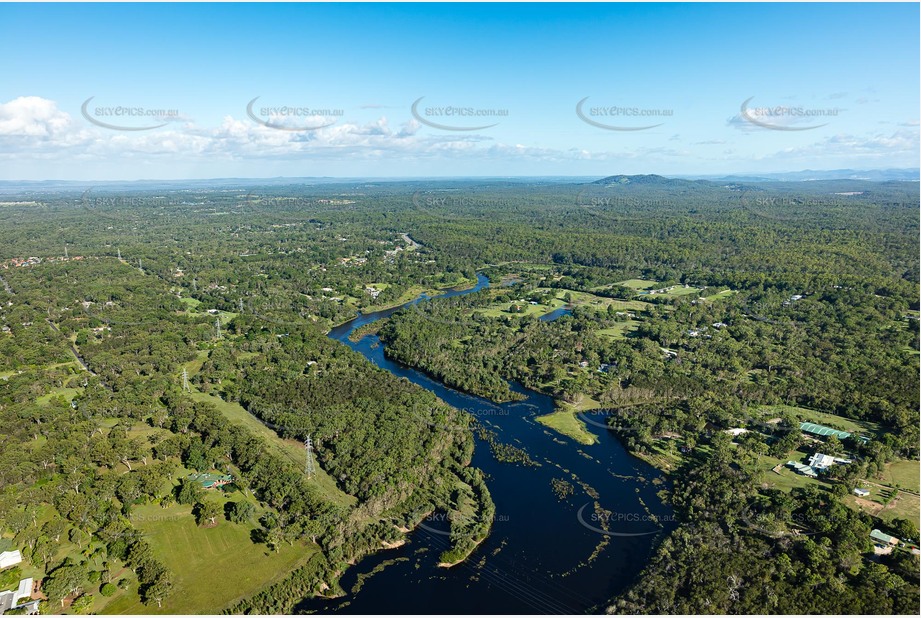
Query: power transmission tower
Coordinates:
[119,254]
[66,256]
[185,380]
[241,305]
[194,284]
[140,265]
[217,325]
[309,468]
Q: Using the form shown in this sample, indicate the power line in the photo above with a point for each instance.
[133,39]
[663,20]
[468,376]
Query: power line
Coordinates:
[309,467]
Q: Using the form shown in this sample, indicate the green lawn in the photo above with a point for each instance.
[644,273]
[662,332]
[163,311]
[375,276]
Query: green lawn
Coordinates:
[212,567]
[598,302]
[904,473]
[638,284]
[719,295]
[565,421]
[821,418]
[904,506]
[498,310]
[680,290]
[66,393]
[619,330]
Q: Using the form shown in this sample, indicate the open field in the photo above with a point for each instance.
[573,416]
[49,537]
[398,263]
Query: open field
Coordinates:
[67,393]
[206,562]
[822,418]
[564,421]
[619,330]
[498,310]
[638,284]
[903,473]
[720,295]
[599,302]
[903,506]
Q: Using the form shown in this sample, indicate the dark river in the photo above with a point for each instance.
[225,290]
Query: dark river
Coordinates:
[544,554]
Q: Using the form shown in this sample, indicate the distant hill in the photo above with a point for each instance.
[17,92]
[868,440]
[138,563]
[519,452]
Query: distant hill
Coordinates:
[906,174]
[647,180]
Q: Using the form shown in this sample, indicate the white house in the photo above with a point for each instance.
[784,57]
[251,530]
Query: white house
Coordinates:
[863,493]
[10,558]
[10,598]
[820,462]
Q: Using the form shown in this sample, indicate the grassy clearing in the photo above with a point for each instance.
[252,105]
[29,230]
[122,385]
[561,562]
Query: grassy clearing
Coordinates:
[822,418]
[720,295]
[213,567]
[638,284]
[678,291]
[190,303]
[290,449]
[499,310]
[564,421]
[619,330]
[904,473]
[67,393]
[903,506]
[598,302]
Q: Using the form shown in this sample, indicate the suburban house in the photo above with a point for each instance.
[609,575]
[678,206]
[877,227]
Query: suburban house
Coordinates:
[10,558]
[19,598]
[803,469]
[209,480]
[863,493]
[820,462]
[883,539]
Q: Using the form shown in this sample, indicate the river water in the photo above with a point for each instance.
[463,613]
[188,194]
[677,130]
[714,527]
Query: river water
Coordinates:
[544,554]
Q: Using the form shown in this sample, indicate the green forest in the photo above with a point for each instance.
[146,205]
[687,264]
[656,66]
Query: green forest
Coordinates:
[151,335]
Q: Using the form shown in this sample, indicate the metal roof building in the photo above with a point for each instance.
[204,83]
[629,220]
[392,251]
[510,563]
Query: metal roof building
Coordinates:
[821,430]
[881,537]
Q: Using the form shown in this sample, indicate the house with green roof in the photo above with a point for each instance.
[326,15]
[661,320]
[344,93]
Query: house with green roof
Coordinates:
[881,538]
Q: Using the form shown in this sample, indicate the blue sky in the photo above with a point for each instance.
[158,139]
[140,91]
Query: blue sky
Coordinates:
[356,69]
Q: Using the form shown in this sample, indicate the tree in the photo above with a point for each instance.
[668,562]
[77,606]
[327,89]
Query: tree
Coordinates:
[206,512]
[82,604]
[239,512]
[189,492]
[904,529]
[63,581]
[159,588]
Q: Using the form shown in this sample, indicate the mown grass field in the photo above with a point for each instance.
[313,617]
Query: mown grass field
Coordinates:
[720,295]
[905,474]
[822,418]
[619,330]
[638,284]
[212,567]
